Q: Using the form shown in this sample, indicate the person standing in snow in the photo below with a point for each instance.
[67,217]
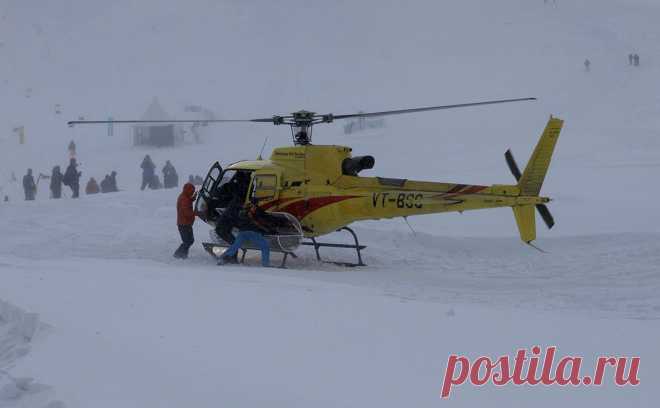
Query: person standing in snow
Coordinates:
[636,60]
[29,186]
[113,182]
[148,172]
[56,183]
[185,218]
[105,184]
[630,59]
[72,178]
[587,65]
[170,176]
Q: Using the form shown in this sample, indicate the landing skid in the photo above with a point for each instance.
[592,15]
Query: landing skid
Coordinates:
[355,246]
[216,249]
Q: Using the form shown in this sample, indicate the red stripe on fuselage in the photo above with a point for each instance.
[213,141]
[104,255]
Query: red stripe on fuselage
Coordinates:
[302,208]
[460,189]
[275,203]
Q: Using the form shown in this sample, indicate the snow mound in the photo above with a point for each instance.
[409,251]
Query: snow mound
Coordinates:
[18,329]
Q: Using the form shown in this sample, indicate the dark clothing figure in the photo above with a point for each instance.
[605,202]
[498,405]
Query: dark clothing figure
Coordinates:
[72,178]
[148,173]
[636,60]
[170,176]
[56,183]
[228,220]
[187,240]
[251,218]
[29,186]
[92,186]
[113,182]
[106,184]
[256,219]
[587,65]
[630,59]
[185,218]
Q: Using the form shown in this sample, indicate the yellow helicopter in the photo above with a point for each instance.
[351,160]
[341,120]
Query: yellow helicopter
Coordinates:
[316,189]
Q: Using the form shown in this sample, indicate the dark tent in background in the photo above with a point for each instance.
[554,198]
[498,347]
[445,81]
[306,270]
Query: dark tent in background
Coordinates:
[156,135]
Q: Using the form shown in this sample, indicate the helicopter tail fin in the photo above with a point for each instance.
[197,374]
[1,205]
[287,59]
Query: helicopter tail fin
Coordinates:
[526,221]
[532,178]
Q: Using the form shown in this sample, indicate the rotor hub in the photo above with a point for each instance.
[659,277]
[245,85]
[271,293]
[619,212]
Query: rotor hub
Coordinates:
[301,123]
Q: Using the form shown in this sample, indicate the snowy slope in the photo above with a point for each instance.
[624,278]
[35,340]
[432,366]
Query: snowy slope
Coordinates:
[130,326]
[143,333]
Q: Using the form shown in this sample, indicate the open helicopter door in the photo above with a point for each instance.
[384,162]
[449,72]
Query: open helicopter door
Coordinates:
[204,194]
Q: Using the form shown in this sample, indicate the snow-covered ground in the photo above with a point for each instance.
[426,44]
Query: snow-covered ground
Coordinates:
[95,312]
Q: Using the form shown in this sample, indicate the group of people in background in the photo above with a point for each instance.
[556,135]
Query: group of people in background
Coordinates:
[152,181]
[150,178]
[108,184]
[71,179]
[633,60]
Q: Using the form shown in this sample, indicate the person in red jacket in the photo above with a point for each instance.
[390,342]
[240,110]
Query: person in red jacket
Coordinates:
[185,217]
[92,187]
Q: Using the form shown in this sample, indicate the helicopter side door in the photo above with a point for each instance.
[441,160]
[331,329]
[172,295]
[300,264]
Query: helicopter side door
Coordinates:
[204,194]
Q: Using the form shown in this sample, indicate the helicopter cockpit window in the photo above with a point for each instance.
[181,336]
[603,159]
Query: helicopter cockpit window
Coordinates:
[264,187]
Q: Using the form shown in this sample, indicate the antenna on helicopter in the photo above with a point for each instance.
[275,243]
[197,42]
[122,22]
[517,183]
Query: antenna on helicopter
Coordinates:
[301,122]
[263,146]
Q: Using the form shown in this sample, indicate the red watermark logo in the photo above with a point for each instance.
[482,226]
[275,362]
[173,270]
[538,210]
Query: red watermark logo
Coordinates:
[535,368]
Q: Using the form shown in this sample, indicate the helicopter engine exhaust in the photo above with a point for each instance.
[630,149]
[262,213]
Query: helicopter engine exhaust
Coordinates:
[353,165]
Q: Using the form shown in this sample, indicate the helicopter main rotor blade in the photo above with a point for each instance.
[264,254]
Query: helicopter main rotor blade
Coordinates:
[430,108]
[97,122]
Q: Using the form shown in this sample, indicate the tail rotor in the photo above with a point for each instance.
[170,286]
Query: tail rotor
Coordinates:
[543,210]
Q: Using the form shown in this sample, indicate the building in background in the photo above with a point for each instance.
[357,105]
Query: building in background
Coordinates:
[155,135]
